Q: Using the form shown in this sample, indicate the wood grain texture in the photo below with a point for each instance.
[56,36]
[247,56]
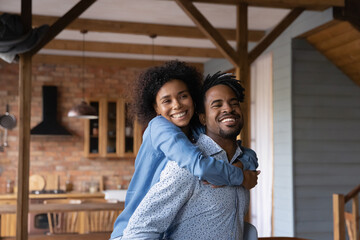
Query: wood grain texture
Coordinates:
[308,4]
[340,43]
[204,25]
[142,28]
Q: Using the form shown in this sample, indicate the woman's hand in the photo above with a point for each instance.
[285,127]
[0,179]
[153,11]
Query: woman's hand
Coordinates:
[238,164]
[211,185]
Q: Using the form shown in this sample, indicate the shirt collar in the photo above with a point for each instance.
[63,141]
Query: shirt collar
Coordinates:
[211,148]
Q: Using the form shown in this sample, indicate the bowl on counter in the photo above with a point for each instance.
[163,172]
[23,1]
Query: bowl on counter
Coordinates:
[118,195]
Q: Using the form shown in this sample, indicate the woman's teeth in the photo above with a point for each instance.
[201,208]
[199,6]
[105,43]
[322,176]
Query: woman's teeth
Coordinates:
[179,115]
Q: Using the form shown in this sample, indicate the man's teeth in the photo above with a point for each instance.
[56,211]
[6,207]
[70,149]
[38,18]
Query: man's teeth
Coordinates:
[228,120]
[179,115]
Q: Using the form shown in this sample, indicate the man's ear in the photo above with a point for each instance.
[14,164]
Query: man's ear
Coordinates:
[202,118]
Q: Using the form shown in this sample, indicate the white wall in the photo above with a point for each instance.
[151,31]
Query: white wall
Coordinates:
[262,143]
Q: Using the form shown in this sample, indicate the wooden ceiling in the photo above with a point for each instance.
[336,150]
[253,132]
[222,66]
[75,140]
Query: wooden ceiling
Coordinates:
[307,4]
[340,43]
[178,30]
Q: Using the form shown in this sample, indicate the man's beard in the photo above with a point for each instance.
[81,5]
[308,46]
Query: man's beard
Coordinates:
[230,134]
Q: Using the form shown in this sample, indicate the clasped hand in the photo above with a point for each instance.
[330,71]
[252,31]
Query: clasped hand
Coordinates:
[250,177]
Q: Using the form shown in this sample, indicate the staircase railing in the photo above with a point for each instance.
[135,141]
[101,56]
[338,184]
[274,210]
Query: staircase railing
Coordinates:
[342,218]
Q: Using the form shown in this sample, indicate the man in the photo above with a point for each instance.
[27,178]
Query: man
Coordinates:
[180,206]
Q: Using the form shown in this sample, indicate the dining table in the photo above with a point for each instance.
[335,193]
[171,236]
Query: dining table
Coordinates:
[84,209]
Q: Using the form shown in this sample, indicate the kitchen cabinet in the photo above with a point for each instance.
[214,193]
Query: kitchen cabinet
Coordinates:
[114,134]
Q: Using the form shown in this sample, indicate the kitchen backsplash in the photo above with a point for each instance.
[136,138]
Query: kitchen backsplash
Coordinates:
[63,155]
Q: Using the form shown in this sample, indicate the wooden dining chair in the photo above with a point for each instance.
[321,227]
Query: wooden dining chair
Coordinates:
[101,221]
[7,228]
[63,222]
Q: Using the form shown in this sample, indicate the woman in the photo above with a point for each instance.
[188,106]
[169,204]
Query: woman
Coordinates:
[171,92]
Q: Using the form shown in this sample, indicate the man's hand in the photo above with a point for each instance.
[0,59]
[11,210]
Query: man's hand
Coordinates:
[250,179]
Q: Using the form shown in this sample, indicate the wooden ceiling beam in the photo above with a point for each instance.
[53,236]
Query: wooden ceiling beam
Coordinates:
[62,22]
[350,13]
[215,36]
[133,48]
[98,61]
[307,4]
[143,28]
[270,38]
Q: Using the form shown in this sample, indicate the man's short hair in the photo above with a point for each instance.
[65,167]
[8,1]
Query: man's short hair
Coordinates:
[221,78]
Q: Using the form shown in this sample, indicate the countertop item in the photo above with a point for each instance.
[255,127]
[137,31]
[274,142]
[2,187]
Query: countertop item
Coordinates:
[118,195]
[36,182]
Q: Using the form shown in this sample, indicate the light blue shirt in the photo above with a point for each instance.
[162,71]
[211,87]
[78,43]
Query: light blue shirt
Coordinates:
[162,140]
[183,207]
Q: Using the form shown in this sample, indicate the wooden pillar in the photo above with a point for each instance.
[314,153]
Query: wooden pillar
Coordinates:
[355,217]
[24,130]
[338,216]
[242,73]
[243,68]
[24,147]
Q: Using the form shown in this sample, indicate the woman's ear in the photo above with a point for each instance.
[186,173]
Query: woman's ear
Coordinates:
[202,118]
[156,109]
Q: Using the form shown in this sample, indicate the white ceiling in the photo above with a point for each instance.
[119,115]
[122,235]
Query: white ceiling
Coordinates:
[147,11]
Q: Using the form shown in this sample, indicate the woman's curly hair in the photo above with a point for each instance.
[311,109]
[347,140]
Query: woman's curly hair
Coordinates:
[149,83]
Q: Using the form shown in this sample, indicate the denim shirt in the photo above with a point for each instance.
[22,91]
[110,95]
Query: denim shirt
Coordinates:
[163,141]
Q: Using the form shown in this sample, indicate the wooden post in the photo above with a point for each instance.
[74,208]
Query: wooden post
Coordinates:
[355,217]
[243,69]
[339,217]
[24,147]
[24,130]
[25,107]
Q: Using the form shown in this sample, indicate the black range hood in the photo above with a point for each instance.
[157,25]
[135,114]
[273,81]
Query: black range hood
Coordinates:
[49,125]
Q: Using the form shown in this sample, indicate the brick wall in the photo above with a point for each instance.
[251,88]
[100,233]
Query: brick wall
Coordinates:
[59,154]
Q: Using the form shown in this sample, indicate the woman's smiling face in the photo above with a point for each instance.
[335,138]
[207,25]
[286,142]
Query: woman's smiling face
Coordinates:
[174,102]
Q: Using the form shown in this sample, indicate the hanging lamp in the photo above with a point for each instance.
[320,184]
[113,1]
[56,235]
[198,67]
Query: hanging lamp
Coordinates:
[83,110]
[153,36]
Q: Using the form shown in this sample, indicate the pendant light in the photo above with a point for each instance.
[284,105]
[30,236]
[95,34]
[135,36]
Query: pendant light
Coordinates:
[83,110]
[153,36]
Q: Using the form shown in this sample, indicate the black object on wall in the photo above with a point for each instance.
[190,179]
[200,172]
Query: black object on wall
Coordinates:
[49,125]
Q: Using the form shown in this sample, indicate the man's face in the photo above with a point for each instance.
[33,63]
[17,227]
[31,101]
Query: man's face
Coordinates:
[223,117]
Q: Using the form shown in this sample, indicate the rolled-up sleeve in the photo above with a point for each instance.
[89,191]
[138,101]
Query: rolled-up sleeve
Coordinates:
[161,204]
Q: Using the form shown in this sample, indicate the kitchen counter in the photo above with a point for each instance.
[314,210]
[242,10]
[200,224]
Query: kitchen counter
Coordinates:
[41,208]
[57,195]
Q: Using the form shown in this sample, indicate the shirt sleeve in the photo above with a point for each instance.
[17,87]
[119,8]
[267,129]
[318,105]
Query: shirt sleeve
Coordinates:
[161,204]
[169,139]
[248,158]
